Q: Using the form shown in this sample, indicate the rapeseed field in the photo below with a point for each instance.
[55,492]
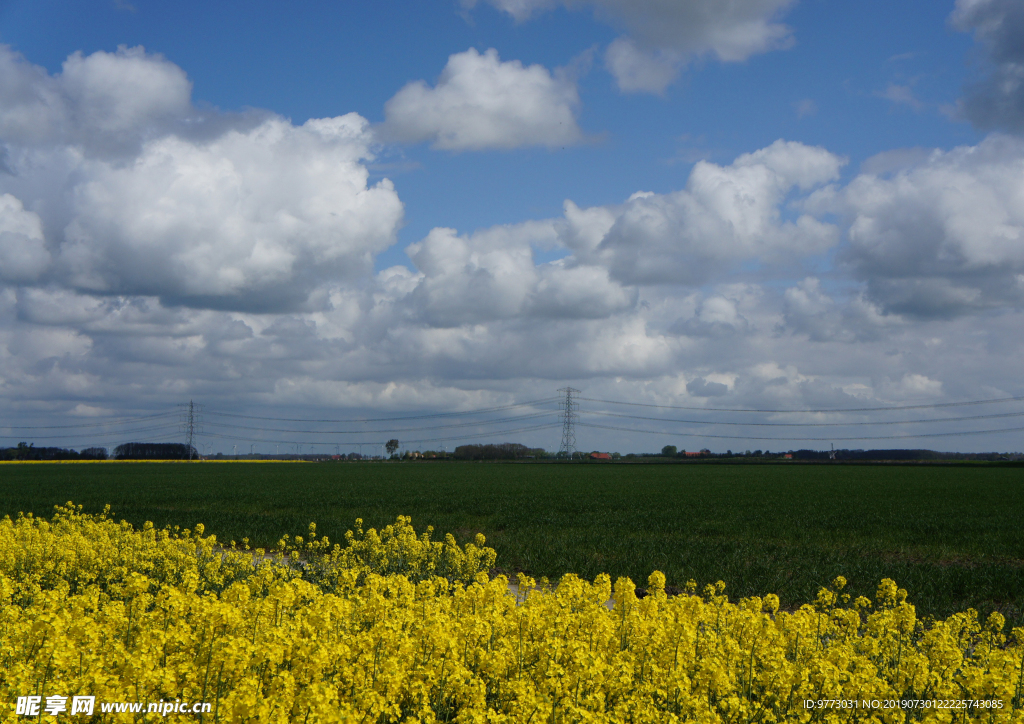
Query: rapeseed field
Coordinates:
[393,626]
[949,534]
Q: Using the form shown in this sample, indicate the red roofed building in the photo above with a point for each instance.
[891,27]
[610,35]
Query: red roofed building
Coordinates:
[600,456]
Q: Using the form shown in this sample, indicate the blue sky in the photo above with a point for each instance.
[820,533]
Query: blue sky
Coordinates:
[313,60]
[707,263]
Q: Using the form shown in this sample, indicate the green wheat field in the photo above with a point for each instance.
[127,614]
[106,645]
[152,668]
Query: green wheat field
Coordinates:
[953,536]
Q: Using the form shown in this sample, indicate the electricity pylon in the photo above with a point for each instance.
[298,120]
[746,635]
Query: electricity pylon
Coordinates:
[569,407]
[191,423]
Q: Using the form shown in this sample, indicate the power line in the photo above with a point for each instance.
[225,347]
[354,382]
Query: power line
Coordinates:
[808,424]
[803,439]
[389,419]
[568,399]
[495,433]
[516,431]
[103,423]
[389,430]
[843,409]
[93,435]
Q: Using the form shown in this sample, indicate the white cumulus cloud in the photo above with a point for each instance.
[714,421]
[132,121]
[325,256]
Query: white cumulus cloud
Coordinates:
[23,253]
[263,215]
[810,310]
[480,102]
[151,252]
[491,275]
[995,101]
[726,214]
[641,69]
[941,236]
[136,193]
[662,35]
[103,102]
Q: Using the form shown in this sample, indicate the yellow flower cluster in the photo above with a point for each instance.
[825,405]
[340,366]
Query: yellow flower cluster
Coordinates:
[393,627]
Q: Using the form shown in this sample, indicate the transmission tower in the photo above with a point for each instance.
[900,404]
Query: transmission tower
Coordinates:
[191,423]
[569,407]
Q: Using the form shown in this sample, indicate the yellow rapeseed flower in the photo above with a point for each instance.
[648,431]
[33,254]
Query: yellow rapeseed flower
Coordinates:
[397,627]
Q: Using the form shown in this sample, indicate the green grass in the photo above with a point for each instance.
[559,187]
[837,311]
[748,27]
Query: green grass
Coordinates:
[951,535]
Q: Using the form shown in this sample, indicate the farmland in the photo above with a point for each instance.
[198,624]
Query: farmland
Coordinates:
[950,535]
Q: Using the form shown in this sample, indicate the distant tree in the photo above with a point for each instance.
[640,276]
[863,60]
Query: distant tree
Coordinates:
[391,446]
[669,451]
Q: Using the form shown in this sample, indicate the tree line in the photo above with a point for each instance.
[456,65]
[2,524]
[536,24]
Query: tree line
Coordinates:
[155,451]
[127,451]
[502,451]
[28,451]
